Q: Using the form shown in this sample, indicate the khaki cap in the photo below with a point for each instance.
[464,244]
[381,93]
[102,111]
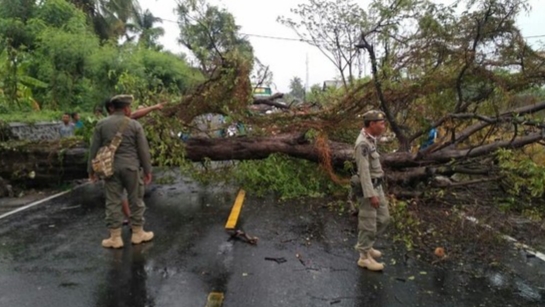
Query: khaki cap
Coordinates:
[120,101]
[373,115]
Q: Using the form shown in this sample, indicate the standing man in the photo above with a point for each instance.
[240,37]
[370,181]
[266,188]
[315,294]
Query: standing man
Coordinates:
[373,216]
[67,128]
[132,169]
[134,115]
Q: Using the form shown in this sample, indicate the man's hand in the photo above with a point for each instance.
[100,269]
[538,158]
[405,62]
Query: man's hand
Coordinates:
[159,106]
[147,179]
[93,178]
[375,202]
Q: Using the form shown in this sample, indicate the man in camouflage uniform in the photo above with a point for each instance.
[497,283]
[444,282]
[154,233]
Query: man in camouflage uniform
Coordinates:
[132,169]
[373,216]
[134,115]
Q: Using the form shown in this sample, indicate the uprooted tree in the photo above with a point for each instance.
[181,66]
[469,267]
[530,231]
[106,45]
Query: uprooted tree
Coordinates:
[469,74]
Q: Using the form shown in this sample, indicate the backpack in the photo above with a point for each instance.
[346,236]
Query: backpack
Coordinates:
[103,163]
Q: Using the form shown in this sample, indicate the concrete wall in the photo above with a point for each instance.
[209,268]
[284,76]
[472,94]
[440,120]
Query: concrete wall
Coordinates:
[34,132]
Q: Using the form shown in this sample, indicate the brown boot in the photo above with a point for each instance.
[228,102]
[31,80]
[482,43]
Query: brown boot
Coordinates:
[139,235]
[114,241]
[375,253]
[367,262]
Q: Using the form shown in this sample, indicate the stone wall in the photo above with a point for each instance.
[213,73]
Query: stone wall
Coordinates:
[36,131]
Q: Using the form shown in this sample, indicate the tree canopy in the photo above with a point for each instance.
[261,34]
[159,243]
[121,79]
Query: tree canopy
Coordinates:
[53,56]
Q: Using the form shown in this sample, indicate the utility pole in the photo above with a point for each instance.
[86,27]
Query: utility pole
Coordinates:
[306,81]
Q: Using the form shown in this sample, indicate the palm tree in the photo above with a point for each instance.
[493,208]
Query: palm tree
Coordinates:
[109,17]
[144,27]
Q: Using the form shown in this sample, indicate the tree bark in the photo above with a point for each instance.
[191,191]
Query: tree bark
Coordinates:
[47,163]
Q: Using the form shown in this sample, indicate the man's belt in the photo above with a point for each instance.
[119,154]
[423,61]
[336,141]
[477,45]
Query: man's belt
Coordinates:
[377,181]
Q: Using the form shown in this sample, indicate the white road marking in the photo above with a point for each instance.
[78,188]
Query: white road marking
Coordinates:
[531,250]
[41,201]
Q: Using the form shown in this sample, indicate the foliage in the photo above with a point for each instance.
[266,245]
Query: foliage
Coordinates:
[31,117]
[61,60]
[16,83]
[261,74]
[89,122]
[522,175]
[427,61]
[13,17]
[227,92]
[210,32]
[404,221]
[108,18]
[334,27]
[50,56]
[297,89]
[144,27]
[288,177]
[316,95]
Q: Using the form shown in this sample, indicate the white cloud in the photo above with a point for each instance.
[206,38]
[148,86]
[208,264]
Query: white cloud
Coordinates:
[287,59]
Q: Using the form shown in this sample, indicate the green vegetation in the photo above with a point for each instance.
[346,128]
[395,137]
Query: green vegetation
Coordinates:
[31,117]
[524,180]
[53,57]
[288,177]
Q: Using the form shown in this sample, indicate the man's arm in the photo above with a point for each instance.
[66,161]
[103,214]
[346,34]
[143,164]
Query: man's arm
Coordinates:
[145,111]
[362,160]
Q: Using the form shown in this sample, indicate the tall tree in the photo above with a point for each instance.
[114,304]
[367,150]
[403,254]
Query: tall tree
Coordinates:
[143,25]
[210,32]
[452,51]
[14,15]
[109,17]
[297,90]
[334,28]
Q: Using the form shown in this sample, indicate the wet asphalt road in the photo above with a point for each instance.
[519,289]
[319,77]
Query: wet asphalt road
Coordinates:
[50,255]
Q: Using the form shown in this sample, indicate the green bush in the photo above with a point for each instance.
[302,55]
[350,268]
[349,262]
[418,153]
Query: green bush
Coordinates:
[289,177]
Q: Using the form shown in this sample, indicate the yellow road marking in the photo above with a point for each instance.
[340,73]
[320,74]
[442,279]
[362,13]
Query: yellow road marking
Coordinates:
[235,211]
[215,299]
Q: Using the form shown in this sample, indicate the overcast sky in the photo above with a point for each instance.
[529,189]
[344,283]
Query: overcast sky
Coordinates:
[287,59]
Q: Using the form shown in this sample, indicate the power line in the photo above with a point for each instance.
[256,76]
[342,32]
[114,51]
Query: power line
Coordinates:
[278,38]
[302,39]
[534,36]
[255,35]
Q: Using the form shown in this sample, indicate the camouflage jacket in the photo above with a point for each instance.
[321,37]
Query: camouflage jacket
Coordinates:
[132,153]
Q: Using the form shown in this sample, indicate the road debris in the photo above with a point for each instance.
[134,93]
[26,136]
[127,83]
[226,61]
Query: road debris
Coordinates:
[278,260]
[241,235]
[300,259]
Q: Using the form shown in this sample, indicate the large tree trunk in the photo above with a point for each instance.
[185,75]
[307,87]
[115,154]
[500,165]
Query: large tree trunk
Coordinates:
[42,163]
[46,163]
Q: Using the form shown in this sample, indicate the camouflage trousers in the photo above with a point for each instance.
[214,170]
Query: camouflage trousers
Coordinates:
[133,182]
[371,222]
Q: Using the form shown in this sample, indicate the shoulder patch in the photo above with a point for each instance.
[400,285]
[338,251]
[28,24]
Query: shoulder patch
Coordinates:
[365,150]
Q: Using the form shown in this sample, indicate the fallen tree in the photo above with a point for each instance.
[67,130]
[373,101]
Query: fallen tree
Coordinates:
[44,163]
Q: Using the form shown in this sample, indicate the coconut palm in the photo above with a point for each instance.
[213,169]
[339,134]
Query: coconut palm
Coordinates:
[109,17]
[143,25]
